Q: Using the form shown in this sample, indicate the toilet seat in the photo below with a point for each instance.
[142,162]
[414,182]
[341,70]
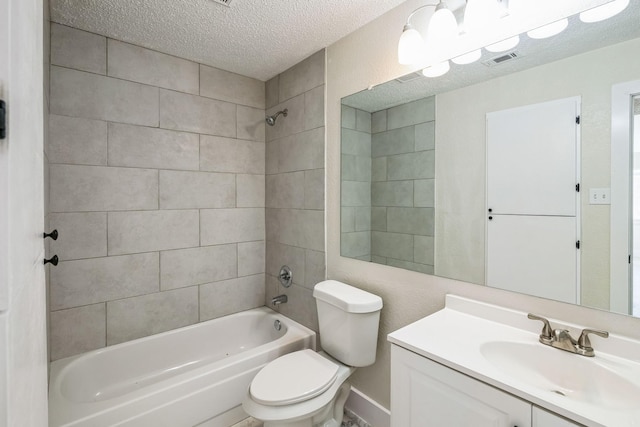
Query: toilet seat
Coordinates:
[293,378]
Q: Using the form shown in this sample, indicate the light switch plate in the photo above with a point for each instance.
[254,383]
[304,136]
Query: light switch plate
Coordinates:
[599,196]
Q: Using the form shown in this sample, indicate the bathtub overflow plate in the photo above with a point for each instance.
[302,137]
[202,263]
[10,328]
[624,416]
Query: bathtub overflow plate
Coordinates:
[277,325]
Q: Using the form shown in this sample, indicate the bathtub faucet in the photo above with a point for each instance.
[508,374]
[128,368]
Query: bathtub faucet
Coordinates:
[280,299]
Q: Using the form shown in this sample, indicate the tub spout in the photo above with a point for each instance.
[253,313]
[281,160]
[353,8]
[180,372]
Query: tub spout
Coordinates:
[280,299]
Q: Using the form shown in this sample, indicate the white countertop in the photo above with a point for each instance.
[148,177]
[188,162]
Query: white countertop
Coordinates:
[454,335]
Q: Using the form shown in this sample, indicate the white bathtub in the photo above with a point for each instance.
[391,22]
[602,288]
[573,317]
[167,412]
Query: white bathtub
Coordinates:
[193,376]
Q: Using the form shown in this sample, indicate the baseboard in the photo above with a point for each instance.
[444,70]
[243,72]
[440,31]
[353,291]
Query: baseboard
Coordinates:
[367,410]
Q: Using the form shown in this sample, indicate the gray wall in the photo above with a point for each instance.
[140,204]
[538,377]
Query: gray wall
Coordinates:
[402,191]
[157,189]
[355,190]
[295,186]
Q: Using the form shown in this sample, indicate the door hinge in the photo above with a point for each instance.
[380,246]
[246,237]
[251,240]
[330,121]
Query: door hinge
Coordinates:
[577,120]
[3,120]
[577,187]
[577,244]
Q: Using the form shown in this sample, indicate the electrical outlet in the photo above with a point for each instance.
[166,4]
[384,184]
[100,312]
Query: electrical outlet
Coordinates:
[599,196]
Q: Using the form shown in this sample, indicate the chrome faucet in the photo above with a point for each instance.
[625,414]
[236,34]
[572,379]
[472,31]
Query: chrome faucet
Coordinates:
[280,299]
[562,339]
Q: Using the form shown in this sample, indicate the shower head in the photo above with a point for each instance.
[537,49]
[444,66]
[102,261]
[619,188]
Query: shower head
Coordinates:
[271,120]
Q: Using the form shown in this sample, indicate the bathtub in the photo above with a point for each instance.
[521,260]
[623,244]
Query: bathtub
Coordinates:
[193,376]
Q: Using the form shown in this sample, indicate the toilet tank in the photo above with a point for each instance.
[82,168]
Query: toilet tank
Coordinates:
[348,319]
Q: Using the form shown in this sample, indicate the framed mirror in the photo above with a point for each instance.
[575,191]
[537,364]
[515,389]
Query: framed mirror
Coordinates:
[417,161]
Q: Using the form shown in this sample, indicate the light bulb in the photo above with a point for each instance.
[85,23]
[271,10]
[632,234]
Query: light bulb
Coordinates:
[549,29]
[468,58]
[437,70]
[443,26]
[503,45]
[479,14]
[410,46]
[604,11]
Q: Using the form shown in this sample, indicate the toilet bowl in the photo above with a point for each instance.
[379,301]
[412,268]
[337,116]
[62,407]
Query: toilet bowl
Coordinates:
[309,389]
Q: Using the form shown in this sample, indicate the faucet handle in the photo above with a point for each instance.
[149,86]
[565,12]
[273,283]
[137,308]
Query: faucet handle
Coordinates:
[584,344]
[546,336]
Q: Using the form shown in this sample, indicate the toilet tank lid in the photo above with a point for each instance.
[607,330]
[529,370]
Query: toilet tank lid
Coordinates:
[346,297]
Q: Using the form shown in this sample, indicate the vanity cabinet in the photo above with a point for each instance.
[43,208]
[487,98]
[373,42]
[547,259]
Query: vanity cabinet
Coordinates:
[425,393]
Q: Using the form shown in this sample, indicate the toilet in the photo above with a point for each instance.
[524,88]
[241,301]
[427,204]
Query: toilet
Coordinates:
[309,389]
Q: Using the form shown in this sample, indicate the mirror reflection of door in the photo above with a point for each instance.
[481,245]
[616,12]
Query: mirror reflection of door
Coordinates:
[635,249]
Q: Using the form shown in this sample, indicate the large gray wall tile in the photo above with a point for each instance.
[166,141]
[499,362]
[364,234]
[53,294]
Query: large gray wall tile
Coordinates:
[251,258]
[302,228]
[292,124]
[347,219]
[417,221]
[314,108]
[425,136]
[356,143]
[250,191]
[411,113]
[180,111]
[279,254]
[144,147]
[355,168]
[363,121]
[231,87]
[379,169]
[97,188]
[285,190]
[347,117]
[138,64]
[272,92]
[81,235]
[89,281]
[195,266]
[184,190]
[78,49]
[379,121]
[220,226]
[231,296]
[314,189]
[356,193]
[303,76]
[133,232]
[423,249]
[302,151]
[392,193]
[251,124]
[424,193]
[392,245]
[219,154]
[132,318]
[68,339]
[77,141]
[395,141]
[355,244]
[420,165]
[315,268]
[379,218]
[79,94]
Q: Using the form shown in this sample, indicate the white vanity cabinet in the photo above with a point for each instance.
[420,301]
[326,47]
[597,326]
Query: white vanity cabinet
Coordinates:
[425,393]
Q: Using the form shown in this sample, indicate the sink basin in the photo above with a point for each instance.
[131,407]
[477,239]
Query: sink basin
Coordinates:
[563,373]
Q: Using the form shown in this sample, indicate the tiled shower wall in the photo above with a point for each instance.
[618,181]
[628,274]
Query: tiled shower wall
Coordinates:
[355,160]
[295,186]
[157,180]
[402,188]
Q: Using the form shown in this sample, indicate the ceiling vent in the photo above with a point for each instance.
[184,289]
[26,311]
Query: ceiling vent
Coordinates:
[409,77]
[501,59]
[223,2]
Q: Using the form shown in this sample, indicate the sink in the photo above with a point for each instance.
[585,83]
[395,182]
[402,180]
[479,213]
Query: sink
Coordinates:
[565,374]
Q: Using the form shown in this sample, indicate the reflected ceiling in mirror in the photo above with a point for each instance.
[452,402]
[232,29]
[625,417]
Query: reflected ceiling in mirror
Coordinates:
[414,150]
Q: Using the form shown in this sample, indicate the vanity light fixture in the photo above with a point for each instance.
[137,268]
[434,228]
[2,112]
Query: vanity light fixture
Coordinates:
[504,45]
[468,58]
[549,30]
[437,70]
[442,27]
[604,11]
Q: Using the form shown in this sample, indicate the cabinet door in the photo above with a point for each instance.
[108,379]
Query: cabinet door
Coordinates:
[542,418]
[427,394]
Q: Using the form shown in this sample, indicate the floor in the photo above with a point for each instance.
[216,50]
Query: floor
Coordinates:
[252,422]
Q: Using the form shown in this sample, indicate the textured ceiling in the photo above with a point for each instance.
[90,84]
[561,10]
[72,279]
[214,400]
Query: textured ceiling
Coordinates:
[255,38]
[577,38]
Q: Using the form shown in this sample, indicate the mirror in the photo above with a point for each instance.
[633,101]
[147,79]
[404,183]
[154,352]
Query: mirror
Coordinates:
[414,154]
